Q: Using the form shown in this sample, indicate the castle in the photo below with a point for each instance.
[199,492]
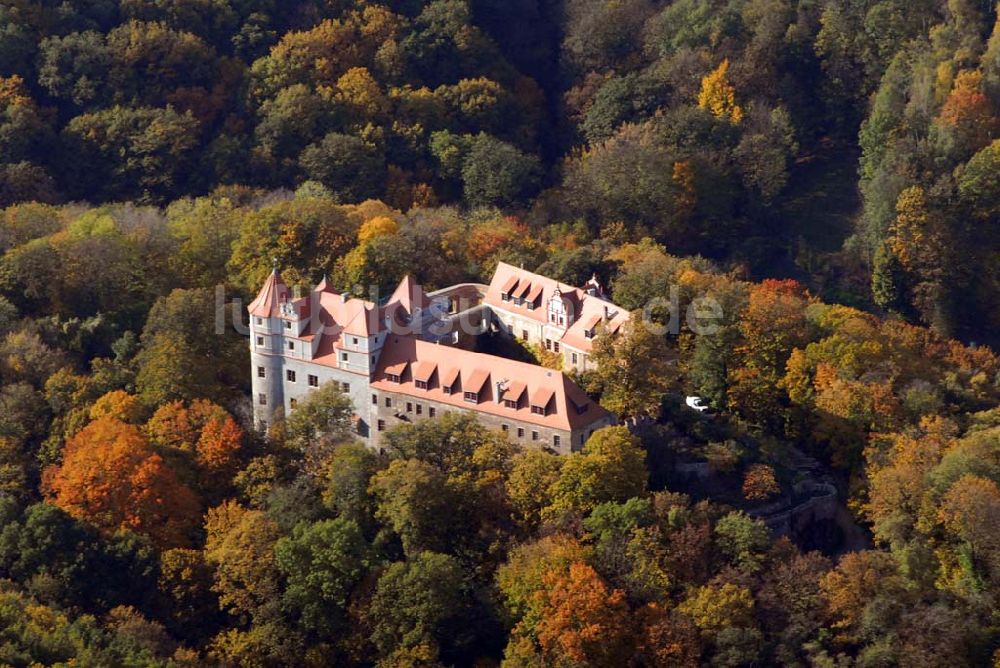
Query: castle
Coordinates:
[408,358]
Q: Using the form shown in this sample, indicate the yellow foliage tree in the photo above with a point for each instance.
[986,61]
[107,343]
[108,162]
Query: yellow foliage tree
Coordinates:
[380,226]
[718,95]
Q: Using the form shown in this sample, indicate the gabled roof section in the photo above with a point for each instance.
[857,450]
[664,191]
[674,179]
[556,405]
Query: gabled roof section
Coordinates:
[423,371]
[271,296]
[562,396]
[520,283]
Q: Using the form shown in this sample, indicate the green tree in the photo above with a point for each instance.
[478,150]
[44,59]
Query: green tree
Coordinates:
[351,169]
[322,564]
[495,173]
[421,602]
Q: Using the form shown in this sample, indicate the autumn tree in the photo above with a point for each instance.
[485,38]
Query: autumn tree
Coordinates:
[583,620]
[632,370]
[759,483]
[718,95]
[239,545]
[110,476]
[611,467]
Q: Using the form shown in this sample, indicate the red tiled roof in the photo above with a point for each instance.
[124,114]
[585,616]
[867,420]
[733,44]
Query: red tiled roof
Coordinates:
[509,285]
[534,285]
[268,302]
[514,391]
[475,381]
[423,370]
[397,369]
[542,396]
[449,377]
[556,386]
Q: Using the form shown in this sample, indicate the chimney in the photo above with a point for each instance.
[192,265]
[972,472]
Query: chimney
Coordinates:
[343,297]
[500,386]
[607,313]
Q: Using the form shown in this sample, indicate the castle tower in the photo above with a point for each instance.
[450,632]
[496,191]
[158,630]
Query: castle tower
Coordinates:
[266,348]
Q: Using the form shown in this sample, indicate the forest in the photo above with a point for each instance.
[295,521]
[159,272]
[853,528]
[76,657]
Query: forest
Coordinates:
[828,171]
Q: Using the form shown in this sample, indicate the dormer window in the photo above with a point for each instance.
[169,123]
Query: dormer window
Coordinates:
[589,333]
[446,389]
[504,297]
[540,401]
[472,397]
[392,377]
[510,403]
[421,384]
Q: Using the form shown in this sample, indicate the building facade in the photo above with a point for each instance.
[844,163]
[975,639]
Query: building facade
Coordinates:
[398,361]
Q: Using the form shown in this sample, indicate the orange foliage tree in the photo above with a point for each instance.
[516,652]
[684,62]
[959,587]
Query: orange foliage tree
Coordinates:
[110,476]
[583,622]
[759,483]
[204,436]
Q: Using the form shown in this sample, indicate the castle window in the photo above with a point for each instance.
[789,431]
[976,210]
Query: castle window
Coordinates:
[260,372]
[388,402]
[290,376]
[381,425]
[520,432]
[524,334]
[288,324]
[313,381]
[409,407]
[548,344]
[345,387]
[573,355]
[343,357]
[354,340]
[555,346]
[291,345]
[504,428]
[259,321]
[375,400]
[555,441]
[262,399]
[534,435]
[431,411]
[292,403]
[420,409]
[260,341]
